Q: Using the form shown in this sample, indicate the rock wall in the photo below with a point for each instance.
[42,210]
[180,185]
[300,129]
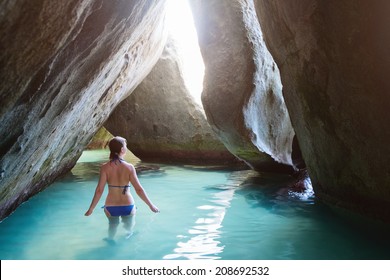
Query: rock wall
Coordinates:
[334,58]
[163,123]
[242,93]
[64,66]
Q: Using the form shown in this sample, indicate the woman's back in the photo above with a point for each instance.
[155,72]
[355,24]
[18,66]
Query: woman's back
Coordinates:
[118,173]
[118,180]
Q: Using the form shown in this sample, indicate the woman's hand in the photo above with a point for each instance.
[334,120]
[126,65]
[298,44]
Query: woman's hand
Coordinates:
[88,213]
[154,208]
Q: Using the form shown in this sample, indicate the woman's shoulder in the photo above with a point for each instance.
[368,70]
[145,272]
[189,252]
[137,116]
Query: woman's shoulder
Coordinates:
[108,165]
[128,165]
[104,166]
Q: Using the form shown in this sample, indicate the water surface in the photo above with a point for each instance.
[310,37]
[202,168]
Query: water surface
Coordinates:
[205,214]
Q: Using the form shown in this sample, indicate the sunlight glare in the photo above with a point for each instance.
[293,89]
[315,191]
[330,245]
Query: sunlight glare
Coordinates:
[181,28]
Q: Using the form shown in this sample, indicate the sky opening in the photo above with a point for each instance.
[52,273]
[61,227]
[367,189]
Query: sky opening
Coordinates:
[182,29]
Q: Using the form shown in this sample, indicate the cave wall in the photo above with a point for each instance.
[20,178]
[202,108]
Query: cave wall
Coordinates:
[64,66]
[334,59]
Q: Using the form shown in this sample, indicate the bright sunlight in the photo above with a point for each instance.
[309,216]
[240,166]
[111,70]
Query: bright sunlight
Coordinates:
[181,27]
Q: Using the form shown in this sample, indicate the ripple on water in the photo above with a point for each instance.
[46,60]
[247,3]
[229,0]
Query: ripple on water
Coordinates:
[204,215]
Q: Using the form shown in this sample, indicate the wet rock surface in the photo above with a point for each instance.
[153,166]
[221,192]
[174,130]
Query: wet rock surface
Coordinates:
[333,58]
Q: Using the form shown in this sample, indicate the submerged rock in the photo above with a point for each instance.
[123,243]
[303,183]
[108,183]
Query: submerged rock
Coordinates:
[242,93]
[334,58]
[163,123]
[64,66]
[143,168]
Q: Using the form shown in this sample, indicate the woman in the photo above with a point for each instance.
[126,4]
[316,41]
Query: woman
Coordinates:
[119,202]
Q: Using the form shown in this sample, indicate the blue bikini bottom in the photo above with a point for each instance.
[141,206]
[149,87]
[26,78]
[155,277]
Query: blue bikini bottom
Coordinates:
[119,210]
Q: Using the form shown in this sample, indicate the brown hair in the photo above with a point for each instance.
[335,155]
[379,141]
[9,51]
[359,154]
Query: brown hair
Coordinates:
[116,145]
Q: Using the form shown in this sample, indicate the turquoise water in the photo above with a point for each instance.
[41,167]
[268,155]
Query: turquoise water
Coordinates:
[205,214]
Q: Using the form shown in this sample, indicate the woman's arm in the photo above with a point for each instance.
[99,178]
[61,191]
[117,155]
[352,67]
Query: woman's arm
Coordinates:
[140,190]
[98,192]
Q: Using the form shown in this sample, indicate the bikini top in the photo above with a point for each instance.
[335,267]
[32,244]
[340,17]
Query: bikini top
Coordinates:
[115,160]
[124,188]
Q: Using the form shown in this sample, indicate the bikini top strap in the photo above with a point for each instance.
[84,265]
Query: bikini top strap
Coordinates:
[124,188]
[116,158]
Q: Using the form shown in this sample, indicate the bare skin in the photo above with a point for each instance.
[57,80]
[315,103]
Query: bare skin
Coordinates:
[119,173]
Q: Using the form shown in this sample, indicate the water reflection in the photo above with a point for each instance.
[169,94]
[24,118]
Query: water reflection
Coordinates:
[203,238]
[206,232]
